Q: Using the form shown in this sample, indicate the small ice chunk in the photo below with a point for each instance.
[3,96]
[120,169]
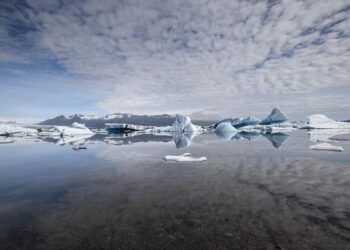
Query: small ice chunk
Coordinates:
[326,146]
[186,157]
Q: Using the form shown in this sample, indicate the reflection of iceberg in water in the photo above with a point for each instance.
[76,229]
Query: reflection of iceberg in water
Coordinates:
[225,135]
[250,136]
[183,140]
[277,139]
[72,139]
[324,135]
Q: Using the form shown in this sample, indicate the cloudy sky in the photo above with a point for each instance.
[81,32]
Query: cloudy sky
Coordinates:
[206,58]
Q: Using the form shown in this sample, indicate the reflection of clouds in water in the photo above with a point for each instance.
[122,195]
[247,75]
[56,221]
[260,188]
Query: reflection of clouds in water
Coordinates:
[302,202]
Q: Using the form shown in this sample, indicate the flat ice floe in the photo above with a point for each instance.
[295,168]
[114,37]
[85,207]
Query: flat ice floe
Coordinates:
[323,122]
[327,147]
[186,157]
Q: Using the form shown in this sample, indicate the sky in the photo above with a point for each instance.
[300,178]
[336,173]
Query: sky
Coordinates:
[205,58]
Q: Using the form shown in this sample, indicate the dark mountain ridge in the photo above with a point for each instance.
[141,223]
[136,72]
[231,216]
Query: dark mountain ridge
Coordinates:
[98,122]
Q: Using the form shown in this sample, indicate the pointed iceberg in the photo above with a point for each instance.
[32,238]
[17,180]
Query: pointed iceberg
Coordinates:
[276,116]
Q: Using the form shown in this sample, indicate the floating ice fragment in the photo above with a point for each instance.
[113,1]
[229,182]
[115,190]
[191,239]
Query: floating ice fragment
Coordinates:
[326,146]
[186,157]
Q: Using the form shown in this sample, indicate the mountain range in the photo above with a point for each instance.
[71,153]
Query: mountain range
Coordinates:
[93,121]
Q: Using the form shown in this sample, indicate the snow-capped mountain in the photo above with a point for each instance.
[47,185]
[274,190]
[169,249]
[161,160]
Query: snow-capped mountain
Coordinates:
[93,121]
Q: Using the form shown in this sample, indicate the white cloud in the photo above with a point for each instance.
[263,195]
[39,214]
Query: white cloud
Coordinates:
[192,56]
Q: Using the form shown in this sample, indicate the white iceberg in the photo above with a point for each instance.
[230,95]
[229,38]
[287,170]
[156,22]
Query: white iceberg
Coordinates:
[323,122]
[276,116]
[327,147]
[183,123]
[10,129]
[225,131]
[249,121]
[186,157]
[75,129]
[240,122]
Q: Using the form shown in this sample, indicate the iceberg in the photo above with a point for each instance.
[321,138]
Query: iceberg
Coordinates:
[124,127]
[323,122]
[327,147]
[9,129]
[75,129]
[183,123]
[225,131]
[186,157]
[276,116]
[240,122]
[78,125]
[249,121]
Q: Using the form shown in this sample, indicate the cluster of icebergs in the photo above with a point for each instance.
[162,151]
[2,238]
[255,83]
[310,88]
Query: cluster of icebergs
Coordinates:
[275,122]
[275,127]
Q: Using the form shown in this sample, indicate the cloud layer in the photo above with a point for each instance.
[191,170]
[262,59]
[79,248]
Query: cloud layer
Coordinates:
[167,56]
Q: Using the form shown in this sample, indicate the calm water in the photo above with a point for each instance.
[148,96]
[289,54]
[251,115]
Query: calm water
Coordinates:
[269,192]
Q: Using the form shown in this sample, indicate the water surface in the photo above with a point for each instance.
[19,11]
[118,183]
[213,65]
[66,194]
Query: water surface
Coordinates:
[253,192]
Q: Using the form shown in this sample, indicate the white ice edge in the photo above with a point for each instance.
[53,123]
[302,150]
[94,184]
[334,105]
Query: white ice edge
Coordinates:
[327,147]
[186,157]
